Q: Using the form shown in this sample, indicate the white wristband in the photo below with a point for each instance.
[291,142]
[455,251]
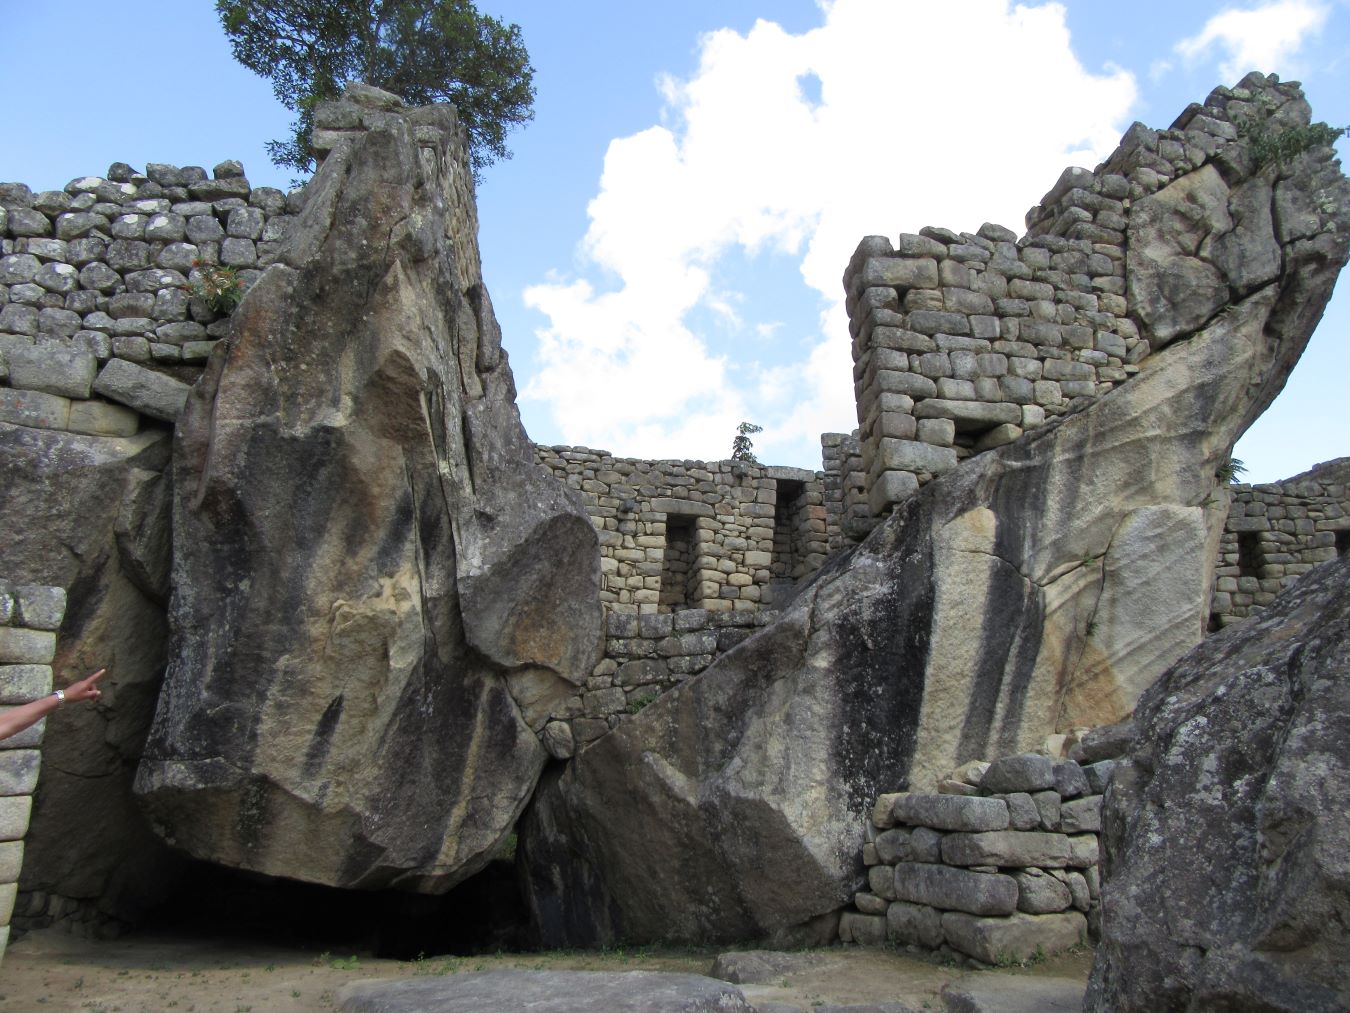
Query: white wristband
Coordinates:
[60,695]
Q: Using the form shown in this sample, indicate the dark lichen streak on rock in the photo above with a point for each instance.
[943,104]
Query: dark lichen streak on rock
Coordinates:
[1009,642]
[884,639]
[322,739]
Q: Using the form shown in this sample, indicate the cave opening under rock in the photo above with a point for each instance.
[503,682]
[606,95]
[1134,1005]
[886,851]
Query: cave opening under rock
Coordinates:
[484,914]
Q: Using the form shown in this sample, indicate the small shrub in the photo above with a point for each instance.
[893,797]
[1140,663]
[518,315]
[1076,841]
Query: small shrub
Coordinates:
[219,287]
[1230,470]
[639,702]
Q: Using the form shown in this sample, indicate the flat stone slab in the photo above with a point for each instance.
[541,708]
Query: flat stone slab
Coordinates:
[1017,937]
[546,992]
[990,992]
[757,967]
[150,393]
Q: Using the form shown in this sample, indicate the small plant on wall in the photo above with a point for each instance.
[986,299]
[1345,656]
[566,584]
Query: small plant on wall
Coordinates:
[219,287]
[741,447]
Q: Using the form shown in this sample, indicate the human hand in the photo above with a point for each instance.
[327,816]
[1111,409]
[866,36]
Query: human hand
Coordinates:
[85,688]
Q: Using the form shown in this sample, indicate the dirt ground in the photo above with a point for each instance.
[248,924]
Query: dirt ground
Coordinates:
[51,970]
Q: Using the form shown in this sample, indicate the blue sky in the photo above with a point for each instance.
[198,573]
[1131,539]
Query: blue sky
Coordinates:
[664,250]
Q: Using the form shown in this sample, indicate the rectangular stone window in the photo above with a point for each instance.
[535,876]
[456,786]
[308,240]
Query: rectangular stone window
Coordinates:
[679,572]
[1251,557]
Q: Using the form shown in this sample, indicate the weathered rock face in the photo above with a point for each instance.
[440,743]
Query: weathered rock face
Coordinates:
[1039,586]
[377,593]
[1226,882]
[90,514]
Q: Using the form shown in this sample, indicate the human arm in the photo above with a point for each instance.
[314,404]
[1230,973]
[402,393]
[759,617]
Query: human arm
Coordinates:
[29,714]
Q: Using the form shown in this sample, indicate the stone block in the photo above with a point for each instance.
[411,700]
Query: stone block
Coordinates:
[980,893]
[19,771]
[26,647]
[1099,775]
[888,488]
[913,385]
[8,892]
[1081,815]
[914,925]
[101,418]
[865,930]
[1007,848]
[900,272]
[925,845]
[881,881]
[969,416]
[33,409]
[1022,811]
[14,811]
[21,683]
[150,393]
[1083,851]
[1047,804]
[951,812]
[938,322]
[11,861]
[893,846]
[870,903]
[40,607]
[29,738]
[1039,893]
[1070,781]
[910,455]
[999,436]
[1027,772]
[937,432]
[1020,937]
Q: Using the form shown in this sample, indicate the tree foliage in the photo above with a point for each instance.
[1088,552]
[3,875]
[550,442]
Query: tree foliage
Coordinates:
[421,50]
[741,447]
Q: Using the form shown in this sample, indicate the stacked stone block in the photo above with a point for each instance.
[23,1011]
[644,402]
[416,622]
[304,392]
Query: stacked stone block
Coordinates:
[29,618]
[963,341]
[845,488]
[99,325]
[728,509]
[1277,532]
[645,655]
[1000,864]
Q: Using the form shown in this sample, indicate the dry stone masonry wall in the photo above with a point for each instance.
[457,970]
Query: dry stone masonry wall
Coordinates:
[99,324]
[964,341]
[30,615]
[1277,532]
[999,865]
[720,536]
[645,655]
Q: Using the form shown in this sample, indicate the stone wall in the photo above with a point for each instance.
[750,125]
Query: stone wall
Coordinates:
[645,655]
[1276,532]
[720,536]
[964,341]
[99,323]
[1000,865]
[29,618]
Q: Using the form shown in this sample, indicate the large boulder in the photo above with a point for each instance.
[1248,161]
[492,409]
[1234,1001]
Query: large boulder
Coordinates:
[91,514]
[1226,880]
[1037,587]
[378,595]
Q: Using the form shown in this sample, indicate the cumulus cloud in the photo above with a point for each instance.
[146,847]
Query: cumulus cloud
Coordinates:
[778,154]
[1262,38]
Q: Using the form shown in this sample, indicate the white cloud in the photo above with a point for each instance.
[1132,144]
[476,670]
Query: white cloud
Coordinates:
[1261,38]
[949,114]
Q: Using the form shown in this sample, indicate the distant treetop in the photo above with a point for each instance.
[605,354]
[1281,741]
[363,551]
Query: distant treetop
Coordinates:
[421,50]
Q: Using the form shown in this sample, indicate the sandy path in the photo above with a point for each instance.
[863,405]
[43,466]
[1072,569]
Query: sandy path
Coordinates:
[50,970]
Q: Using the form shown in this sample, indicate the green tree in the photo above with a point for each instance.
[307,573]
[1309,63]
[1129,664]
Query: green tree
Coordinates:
[421,50]
[741,447]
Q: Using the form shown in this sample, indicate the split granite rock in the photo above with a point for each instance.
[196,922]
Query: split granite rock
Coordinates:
[91,515]
[378,594]
[1226,883]
[1038,587]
